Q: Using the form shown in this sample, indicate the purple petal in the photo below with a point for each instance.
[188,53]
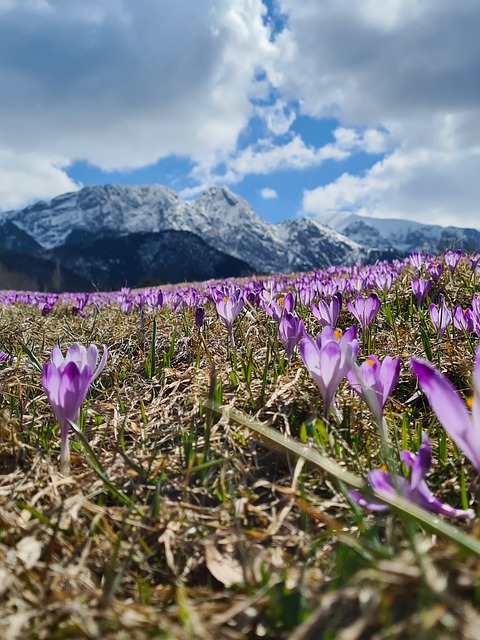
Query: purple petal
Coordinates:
[77,354]
[330,357]
[389,373]
[419,463]
[476,392]
[51,383]
[74,386]
[57,357]
[368,502]
[310,353]
[383,482]
[426,499]
[91,356]
[449,409]
[102,364]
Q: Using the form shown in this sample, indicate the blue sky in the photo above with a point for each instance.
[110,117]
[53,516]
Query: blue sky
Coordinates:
[303,108]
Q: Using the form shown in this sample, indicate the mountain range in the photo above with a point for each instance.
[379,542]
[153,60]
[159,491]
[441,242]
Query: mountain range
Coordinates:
[111,235]
[405,235]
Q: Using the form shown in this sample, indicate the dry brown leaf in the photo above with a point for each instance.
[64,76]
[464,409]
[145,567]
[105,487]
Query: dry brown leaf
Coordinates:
[223,567]
[29,550]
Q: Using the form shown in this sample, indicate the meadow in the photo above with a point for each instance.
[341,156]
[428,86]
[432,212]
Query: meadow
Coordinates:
[294,456]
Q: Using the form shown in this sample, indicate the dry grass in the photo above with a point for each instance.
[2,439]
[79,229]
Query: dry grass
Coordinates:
[183,524]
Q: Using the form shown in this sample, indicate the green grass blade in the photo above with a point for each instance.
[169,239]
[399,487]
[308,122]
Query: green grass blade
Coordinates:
[402,507]
[97,467]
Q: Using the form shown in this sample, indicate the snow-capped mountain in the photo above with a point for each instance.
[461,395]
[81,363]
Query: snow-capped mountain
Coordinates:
[114,234]
[403,235]
[116,210]
[308,243]
[222,219]
[112,216]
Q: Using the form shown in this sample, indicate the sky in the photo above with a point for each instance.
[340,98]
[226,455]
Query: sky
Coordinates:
[302,108]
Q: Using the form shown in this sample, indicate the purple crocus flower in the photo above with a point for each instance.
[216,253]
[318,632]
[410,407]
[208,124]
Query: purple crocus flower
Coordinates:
[66,382]
[290,331]
[356,284]
[81,300]
[125,300]
[229,303]
[414,489]
[452,258]
[436,270]
[375,381]
[418,259]
[4,357]
[328,357]
[154,299]
[276,308]
[287,302]
[384,281]
[420,289]
[365,309]
[476,314]
[441,316]
[48,303]
[327,314]
[199,316]
[306,293]
[463,319]
[449,407]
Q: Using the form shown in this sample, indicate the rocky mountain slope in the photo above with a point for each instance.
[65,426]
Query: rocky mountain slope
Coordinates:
[112,235]
[143,258]
[403,235]
[121,233]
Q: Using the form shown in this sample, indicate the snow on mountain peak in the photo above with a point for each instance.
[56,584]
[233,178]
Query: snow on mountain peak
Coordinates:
[220,217]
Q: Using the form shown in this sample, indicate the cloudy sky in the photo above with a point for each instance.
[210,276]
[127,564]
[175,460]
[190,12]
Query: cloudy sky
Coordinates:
[310,107]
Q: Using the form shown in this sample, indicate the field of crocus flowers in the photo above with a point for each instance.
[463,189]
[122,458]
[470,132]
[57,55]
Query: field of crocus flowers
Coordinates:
[283,457]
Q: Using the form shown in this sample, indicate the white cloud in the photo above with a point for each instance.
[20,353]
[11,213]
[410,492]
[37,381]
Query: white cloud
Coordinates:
[268,194]
[121,84]
[262,158]
[404,73]
[375,63]
[266,156]
[278,117]
[430,187]
[369,140]
[28,177]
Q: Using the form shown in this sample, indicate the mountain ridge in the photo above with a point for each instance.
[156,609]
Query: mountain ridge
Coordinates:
[404,235]
[103,229]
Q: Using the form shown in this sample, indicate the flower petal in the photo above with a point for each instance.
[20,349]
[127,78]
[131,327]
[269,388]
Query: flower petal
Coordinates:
[57,357]
[101,366]
[449,409]
[426,499]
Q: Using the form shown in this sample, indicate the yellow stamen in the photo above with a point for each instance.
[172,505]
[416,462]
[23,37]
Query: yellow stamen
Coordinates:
[225,299]
[281,302]
[370,361]
[469,401]
[338,334]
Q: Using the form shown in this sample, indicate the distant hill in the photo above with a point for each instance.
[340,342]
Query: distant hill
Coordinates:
[403,235]
[163,257]
[30,272]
